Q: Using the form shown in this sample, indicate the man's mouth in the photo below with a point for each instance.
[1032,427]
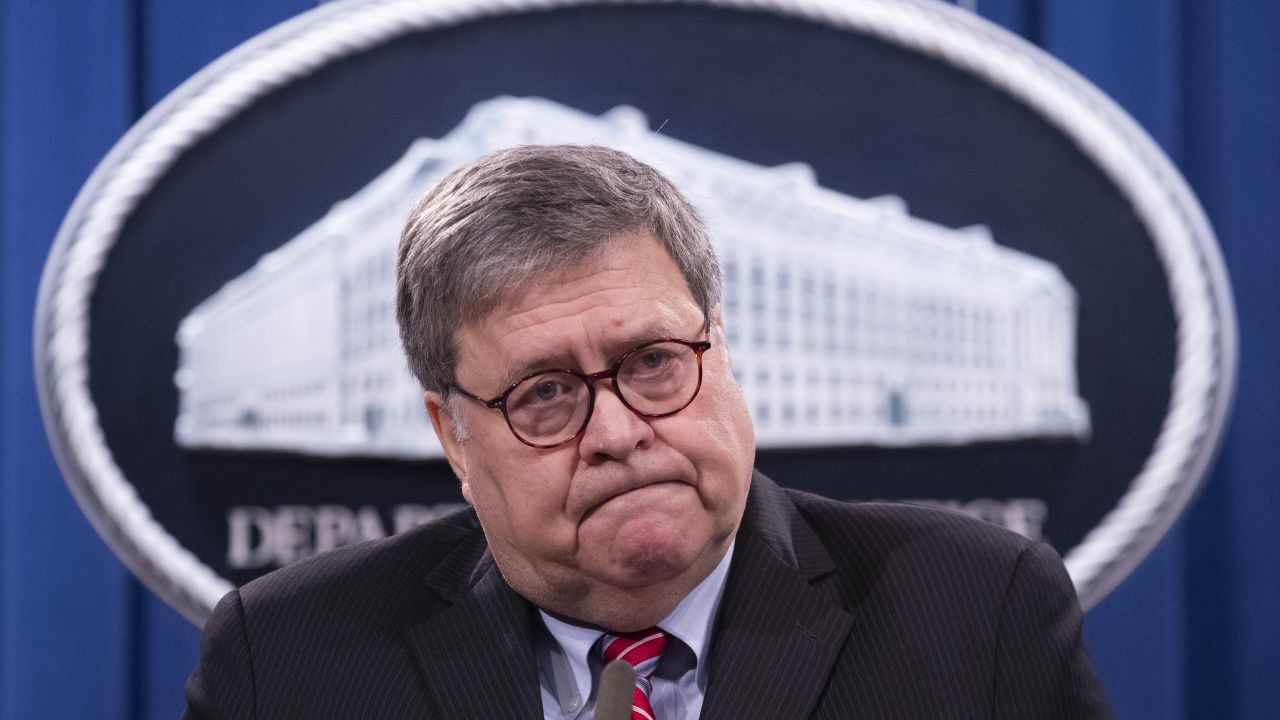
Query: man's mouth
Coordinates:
[624,491]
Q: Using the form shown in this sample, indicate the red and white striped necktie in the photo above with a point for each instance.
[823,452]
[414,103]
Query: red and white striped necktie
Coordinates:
[642,650]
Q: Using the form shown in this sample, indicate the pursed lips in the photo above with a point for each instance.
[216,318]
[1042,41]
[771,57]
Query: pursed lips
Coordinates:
[615,488]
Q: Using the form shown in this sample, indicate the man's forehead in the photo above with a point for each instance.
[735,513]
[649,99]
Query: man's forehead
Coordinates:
[602,306]
[581,345]
[631,267]
[529,286]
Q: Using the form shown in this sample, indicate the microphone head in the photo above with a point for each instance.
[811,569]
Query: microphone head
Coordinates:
[617,687]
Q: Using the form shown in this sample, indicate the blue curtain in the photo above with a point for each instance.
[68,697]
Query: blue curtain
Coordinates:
[1194,632]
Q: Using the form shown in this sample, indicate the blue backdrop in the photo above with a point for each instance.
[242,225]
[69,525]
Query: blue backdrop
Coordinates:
[1194,632]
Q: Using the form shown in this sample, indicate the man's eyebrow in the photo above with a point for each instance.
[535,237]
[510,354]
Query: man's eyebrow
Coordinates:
[564,360]
[542,362]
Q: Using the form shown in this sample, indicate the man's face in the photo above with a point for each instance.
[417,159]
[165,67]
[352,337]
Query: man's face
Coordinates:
[632,502]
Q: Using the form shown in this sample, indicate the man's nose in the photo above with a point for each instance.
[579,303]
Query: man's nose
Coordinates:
[614,431]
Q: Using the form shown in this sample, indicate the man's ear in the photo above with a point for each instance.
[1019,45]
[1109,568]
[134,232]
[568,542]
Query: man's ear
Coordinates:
[454,451]
[716,331]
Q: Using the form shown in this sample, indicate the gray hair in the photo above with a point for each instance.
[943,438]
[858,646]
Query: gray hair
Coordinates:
[489,227]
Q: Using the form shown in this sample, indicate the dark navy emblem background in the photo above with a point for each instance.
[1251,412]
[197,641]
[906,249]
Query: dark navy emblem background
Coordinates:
[870,118]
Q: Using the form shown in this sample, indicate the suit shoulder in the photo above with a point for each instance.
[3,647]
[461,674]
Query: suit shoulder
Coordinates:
[372,573]
[957,570]
[926,534]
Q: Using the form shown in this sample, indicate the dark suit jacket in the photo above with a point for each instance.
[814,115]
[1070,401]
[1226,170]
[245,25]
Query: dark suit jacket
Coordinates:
[831,610]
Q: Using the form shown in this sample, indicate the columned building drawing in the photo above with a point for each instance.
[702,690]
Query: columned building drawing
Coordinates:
[850,321]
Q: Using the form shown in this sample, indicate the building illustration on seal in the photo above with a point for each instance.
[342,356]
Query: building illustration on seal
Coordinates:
[850,321]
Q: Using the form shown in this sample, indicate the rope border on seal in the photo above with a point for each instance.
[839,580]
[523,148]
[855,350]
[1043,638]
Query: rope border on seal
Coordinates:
[1205,365]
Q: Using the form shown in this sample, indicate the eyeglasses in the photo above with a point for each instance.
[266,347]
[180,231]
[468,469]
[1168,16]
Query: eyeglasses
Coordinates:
[551,407]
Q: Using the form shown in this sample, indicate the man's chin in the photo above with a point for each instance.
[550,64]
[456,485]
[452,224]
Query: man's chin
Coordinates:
[654,565]
[648,544]
[647,564]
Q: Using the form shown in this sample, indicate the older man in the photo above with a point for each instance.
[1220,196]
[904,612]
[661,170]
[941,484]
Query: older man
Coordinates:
[560,306]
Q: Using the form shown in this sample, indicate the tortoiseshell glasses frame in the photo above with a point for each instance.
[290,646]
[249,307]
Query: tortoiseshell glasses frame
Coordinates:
[673,386]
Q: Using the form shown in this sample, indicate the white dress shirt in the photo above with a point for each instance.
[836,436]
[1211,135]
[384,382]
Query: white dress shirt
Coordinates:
[568,670]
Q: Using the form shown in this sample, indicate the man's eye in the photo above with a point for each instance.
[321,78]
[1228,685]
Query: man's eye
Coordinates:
[654,360]
[547,390]
[541,392]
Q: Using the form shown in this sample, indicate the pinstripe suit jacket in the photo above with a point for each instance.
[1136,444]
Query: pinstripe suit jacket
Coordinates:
[831,610]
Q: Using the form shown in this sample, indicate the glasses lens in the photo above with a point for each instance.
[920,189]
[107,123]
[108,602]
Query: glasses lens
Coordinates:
[659,378]
[548,408]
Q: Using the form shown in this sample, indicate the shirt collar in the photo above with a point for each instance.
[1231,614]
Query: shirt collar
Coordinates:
[691,622]
[693,618]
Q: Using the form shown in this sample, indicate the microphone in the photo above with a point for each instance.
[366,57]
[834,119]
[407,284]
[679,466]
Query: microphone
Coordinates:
[617,688]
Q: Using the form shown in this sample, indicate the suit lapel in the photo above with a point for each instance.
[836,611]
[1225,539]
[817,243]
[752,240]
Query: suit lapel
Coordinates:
[777,634]
[776,639]
[477,654]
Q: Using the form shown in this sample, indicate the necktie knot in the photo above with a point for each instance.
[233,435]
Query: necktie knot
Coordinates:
[642,650]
